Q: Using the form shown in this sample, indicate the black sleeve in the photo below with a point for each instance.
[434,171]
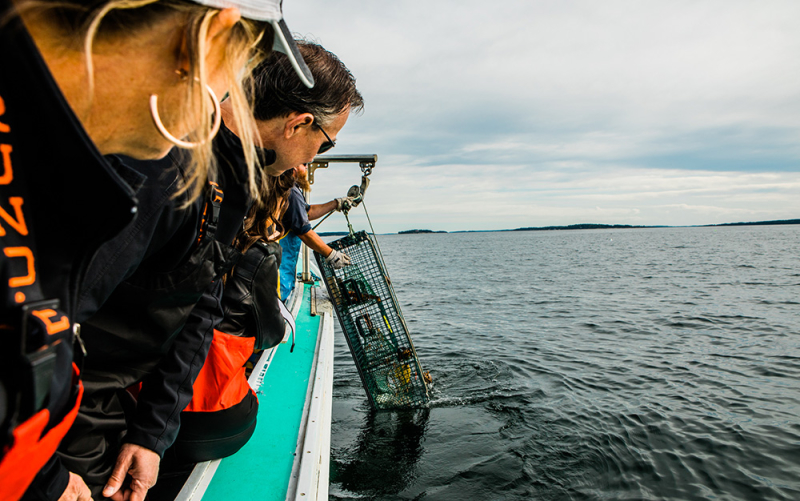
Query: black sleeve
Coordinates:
[49,483]
[160,222]
[168,390]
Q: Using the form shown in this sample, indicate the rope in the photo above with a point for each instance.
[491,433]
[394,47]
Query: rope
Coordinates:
[323,219]
[366,171]
[374,236]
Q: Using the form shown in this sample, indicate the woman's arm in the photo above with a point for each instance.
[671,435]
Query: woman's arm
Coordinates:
[168,390]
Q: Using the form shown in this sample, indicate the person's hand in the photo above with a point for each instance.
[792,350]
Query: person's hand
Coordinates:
[337,260]
[343,202]
[76,490]
[138,463]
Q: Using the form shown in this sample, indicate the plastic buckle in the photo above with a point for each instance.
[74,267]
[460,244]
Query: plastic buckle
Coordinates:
[210,221]
[43,327]
[216,201]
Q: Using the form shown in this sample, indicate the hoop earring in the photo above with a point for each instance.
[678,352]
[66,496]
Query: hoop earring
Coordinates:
[178,142]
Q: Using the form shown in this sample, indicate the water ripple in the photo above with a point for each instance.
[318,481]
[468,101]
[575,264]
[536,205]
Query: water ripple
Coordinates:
[642,364]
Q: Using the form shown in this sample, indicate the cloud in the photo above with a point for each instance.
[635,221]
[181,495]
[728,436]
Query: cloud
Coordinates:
[531,107]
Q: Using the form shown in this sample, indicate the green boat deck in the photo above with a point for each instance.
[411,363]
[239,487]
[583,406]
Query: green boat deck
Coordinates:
[265,466]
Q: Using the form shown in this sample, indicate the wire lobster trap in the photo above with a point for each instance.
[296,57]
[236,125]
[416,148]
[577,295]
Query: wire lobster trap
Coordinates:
[373,325]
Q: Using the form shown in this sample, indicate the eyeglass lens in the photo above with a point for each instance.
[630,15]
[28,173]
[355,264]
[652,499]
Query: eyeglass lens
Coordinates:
[327,145]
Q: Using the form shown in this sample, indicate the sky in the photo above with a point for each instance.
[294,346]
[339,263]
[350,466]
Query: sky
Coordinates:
[521,113]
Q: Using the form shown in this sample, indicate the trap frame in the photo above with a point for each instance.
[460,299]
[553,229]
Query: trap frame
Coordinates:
[373,325]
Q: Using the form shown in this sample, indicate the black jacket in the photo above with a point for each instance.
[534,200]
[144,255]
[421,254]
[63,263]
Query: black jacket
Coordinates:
[165,233]
[151,329]
[69,200]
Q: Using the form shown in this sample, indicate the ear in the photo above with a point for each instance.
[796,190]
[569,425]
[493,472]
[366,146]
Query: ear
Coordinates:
[297,122]
[219,28]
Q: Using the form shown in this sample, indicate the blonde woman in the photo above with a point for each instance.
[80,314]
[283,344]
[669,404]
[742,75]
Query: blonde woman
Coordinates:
[79,80]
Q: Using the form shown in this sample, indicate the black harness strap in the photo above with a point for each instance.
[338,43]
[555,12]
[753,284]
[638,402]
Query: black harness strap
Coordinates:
[39,324]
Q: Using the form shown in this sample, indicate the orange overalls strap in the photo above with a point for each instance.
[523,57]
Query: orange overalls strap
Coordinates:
[43,329]
[30,448]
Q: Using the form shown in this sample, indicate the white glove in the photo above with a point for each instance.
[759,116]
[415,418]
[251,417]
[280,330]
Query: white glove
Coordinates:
[337,260]
[341,201]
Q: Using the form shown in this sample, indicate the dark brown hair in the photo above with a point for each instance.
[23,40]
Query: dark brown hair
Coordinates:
[278,91]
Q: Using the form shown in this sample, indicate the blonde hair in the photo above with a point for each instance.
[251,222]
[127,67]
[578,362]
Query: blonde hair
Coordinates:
[250,43]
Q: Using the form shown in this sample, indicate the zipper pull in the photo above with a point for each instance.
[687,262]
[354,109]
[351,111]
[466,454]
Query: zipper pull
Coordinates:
[76,329]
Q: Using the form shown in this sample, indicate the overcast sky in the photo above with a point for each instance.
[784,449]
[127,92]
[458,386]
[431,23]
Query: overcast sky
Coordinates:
[506,114]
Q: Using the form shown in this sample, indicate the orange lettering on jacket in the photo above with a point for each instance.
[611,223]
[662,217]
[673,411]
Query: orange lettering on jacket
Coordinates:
[8,172]
[52,327]
[17,222]
[28,255]
[3,127]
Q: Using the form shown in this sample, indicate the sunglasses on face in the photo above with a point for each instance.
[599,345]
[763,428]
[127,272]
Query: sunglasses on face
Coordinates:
[327,145]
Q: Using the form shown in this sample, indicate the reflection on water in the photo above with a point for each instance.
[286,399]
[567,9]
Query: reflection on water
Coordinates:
[620,364]
[385,456]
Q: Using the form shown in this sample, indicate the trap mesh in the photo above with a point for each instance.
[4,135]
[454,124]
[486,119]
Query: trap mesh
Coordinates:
[376,332]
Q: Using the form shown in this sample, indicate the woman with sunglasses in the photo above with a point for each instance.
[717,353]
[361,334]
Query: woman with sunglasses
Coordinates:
[81,80]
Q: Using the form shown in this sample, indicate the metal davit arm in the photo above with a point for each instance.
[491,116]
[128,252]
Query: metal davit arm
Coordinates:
[365,162]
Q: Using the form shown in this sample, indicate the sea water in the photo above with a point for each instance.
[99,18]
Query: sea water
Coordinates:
[593,364]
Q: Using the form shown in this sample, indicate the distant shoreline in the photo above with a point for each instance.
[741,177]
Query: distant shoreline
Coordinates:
[411,232]
[594,226]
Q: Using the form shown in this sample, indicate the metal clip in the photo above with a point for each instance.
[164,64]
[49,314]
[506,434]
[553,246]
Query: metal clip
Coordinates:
[76,330]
